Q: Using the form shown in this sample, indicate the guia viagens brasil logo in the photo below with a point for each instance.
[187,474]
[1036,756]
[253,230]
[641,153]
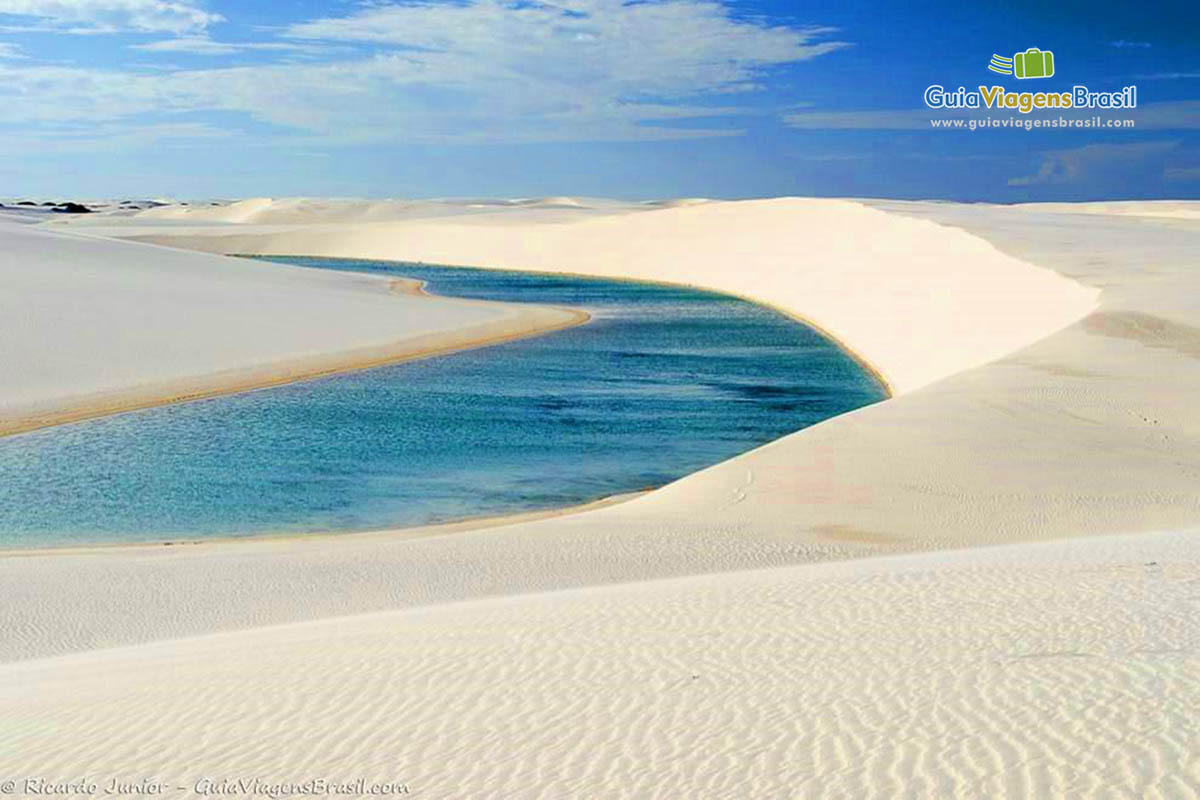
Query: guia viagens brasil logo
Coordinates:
[1024,65]
[1033,63]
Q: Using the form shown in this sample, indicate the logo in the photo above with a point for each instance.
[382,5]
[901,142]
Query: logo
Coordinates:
[1033,63]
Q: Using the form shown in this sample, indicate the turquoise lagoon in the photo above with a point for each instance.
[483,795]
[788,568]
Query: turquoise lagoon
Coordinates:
[662,382]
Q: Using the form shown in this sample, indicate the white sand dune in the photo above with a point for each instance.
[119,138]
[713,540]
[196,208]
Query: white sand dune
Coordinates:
[294,211]
[1053,670]
[90,326]
[863,275]
[682,643]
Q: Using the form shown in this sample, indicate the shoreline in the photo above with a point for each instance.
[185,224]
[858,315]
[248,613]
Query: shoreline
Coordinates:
[445,528]
[525,321]
[861,360]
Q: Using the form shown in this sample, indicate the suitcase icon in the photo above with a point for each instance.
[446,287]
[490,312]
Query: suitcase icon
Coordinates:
[1034,63]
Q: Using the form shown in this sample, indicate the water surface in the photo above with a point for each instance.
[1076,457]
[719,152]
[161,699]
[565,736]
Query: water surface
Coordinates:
[662,382]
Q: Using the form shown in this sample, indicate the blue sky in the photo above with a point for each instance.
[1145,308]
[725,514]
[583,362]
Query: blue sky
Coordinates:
[646,99]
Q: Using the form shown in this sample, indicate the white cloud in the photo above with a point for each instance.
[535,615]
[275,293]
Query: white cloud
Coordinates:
[898,119]
[479,71]
[1169,115]
[1183,174]
[624,50]
[108,16]
[115,136]
[1168,76]
[1104,165]
[204,46]
[199,45]
[9,50]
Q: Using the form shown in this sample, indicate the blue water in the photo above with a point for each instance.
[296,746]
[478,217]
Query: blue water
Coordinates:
[662,382]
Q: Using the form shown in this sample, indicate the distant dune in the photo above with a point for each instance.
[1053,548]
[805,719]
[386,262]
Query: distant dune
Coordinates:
[1179,209]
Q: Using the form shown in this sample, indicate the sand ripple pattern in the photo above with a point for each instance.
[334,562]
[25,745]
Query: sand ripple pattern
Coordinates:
[1043,670]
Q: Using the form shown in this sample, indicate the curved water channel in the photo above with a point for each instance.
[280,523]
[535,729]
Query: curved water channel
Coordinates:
[662,382]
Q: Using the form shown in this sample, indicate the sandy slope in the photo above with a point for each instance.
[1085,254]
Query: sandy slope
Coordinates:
[1054,669]
[1049,670]
[90,326]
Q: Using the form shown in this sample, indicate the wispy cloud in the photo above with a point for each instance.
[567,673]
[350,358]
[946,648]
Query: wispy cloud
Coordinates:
[1100,164]
[113,136]
[9,50]
[107,16]
[1183,174]
[1124,43]
[1167,76]
[897,119]
[204,46]
[1171,115]
[677,47]
[481,70]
